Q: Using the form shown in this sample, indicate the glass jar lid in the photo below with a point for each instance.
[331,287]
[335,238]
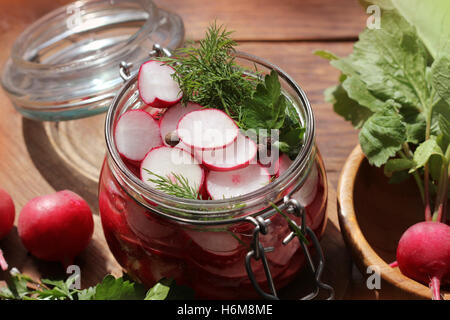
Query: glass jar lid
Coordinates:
[66,64]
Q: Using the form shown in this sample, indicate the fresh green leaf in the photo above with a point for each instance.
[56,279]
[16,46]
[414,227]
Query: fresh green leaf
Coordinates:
[22,287]
[160,291]
[291,141]
[60,291]
[17,287]
[357,90]
[266,109]
[423,153]
[391,61]
[440,75]
[326,55]
[430,18]
[435,165]
[394,165]
[415,124]
[167,289]
[399,177]
[346,107]
[87,294]
[382,135]
[444,126]
[118,289]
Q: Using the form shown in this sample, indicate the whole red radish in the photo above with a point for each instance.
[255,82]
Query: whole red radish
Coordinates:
[423,254]
[56,227]
[7,214]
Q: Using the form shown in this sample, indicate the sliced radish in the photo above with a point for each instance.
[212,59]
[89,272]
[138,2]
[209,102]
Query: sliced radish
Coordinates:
[156,86]
[135,134]
[272,162]
[172,116]
[284,162]
[166,161]
[218,243]
[308,191]
[207,129]
[229,184]
[235,156]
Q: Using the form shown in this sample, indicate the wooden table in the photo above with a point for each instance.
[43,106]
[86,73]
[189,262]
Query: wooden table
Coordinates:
[286,32]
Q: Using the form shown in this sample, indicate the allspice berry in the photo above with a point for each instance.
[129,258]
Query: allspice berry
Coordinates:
[172,139]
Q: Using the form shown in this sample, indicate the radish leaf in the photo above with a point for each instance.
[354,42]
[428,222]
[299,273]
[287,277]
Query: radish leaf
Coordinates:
[382,135]
[424,151]
[346,107]
[391,62]
[394,165]
[440,75]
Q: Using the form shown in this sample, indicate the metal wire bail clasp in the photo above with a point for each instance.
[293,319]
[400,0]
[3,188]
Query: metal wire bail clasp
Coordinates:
[257,252]
[157,51]
[294,207]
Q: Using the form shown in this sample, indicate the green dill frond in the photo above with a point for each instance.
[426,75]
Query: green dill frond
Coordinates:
[180,187]
[208,74]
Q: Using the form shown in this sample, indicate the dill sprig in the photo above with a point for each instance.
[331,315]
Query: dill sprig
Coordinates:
[296,229]
[178,187]
[208,74]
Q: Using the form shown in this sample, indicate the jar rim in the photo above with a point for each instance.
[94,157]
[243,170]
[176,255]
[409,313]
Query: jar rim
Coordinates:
[19,49]
[140,188]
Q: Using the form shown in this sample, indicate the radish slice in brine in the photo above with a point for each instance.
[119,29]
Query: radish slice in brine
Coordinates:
[166,161]
[229,184]
[308,190]
[218,243]
[207,129]
[235,156]
[172,116]
[156,86]
[135,134]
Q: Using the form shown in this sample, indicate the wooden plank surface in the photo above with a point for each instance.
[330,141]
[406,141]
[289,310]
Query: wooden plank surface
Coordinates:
[286,32]
[255,20]
[252,20]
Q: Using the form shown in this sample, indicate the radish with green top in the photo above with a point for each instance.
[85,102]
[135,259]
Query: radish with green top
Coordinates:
[7,214]
[397,94]
[423,254]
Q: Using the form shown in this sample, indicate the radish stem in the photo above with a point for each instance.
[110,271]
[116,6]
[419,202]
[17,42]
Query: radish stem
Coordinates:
[426,172]
[393,264]
[408,155]
[441,197]
[441,193]
[435,285]
[427,194]
[3,263]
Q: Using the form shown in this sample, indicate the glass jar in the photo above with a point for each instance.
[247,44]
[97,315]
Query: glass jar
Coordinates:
[64,65]
[203,244]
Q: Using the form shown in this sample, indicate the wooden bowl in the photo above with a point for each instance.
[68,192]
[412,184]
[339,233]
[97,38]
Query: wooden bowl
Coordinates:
[373,215]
